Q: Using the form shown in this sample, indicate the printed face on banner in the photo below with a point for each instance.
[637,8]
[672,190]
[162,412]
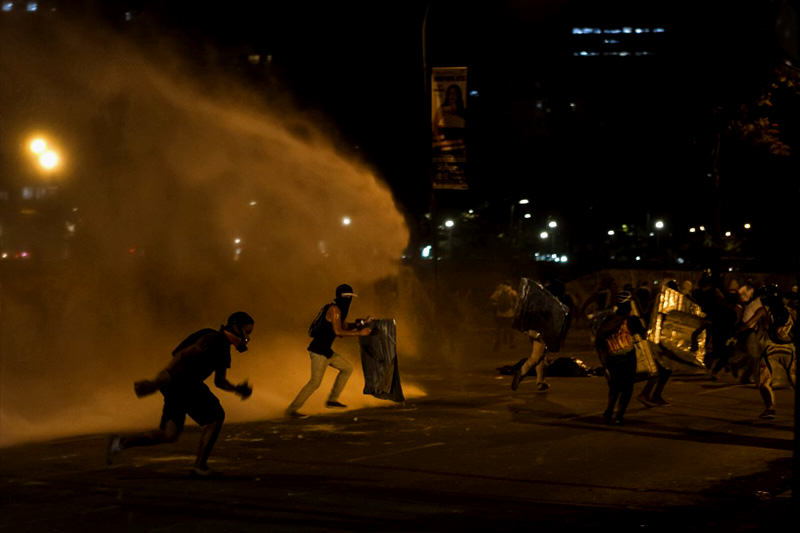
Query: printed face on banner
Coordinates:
[448,127]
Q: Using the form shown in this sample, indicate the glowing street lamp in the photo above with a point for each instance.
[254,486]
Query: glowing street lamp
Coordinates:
[524,201]
[449,223]
[544,235]
[659,224]
[38,146]
[552,224]
[46,156]
[346,221]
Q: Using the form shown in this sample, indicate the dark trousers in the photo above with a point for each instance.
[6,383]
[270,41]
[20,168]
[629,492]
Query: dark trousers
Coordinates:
[621,375]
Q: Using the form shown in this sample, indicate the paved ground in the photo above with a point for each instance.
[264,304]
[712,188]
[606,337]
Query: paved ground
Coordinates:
[472,455]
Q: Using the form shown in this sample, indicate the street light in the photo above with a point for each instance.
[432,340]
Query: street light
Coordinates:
[47,157]
[659,224]
[346,221]
[552,224]
[449,223]
[524,201]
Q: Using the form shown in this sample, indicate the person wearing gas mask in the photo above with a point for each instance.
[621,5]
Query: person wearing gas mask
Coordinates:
[181,382]
[327,326]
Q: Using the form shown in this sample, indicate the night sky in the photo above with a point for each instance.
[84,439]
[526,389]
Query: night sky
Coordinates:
[620,138]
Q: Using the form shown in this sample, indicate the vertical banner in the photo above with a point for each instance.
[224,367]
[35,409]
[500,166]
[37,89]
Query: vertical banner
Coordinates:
[448,127]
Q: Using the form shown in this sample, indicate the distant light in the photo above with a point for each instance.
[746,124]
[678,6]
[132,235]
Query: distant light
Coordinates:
[681,261]
[747,226]
[544,235]
[449,223]
[426,251]
[692,230]
[730,269]
[128,16]
[346,221]
[8,6]
[659,224]
[652,234]
[5,254]
[727,233]
[237,240]
[611,232]
[563,258]
[552,224]
[473,92]
[526,215]
[524,201]
[24,254]
[638,257]
[49,160]
[33,6]
[626,29]
[253,203]
[471,211]
[702,228]
[38,146]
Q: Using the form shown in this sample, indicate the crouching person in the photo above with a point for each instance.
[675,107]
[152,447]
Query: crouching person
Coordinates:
[181,382]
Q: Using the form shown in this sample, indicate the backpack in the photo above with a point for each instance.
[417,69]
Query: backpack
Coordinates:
[621,341]
[319,320]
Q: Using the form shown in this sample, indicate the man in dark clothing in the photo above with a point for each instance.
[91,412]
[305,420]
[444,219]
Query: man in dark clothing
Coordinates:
[615,343]
[329,324]
[201,354]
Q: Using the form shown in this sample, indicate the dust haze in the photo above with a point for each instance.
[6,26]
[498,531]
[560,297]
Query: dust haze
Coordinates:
[188,197]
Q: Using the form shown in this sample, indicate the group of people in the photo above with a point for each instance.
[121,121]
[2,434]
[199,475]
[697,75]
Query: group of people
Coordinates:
[750,332]
[207,351]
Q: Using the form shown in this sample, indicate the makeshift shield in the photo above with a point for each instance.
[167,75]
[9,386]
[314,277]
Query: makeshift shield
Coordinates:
[379,361]
[678,325]
[540,311]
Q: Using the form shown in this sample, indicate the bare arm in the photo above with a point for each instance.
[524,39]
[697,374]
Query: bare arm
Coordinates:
[146,387]
[334,316]
[243,389]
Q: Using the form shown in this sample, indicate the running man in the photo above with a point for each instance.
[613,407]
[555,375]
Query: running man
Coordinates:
[201,354]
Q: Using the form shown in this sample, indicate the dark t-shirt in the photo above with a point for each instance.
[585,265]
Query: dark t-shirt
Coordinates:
[202,353]
[322,342]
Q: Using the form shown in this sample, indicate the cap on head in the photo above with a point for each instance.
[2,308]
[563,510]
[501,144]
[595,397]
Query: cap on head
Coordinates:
[239,318]
[345,291]
[623,297]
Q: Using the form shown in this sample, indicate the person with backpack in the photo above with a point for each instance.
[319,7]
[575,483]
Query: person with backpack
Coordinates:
[324,329]
[779,349]
[504,300]
[204,352]
[615,343]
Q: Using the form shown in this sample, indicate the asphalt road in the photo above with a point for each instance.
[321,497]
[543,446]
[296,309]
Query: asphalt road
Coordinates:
[471,455]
